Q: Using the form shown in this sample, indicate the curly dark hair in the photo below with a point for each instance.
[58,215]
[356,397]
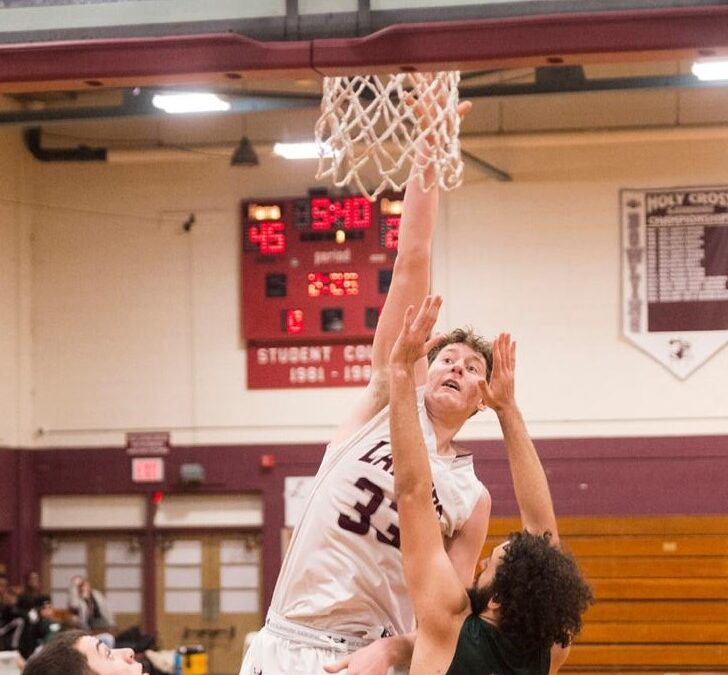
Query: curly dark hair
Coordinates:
[469,337]
[541,592]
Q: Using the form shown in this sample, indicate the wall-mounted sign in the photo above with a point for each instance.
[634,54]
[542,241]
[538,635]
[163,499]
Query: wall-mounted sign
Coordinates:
[675,273]
[147,443]
[147,469]
[313,365]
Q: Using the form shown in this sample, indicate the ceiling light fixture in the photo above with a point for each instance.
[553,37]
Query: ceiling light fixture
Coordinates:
[190,103]
[711,70]
[302,150]
[244,154]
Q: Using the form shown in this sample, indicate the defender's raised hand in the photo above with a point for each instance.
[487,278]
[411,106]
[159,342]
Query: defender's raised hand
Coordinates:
[412,343]
[500,393]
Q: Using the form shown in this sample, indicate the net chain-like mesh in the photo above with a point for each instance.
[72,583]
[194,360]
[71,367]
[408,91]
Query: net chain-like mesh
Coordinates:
[390,123]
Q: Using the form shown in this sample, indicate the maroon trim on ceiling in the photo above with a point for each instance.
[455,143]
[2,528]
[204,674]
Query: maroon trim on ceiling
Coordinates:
[455,43]
[463,42]
[146,57]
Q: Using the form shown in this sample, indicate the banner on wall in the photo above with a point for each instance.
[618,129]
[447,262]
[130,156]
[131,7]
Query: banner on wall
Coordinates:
[675,273]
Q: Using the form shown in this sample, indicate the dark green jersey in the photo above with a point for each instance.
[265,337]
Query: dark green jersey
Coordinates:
[482,650]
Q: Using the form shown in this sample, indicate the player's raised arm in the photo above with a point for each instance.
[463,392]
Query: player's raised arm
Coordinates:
[411,275]
[529,479]
[410,283]
[432,581]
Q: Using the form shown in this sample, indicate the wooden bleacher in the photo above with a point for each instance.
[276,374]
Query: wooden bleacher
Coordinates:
[661,587]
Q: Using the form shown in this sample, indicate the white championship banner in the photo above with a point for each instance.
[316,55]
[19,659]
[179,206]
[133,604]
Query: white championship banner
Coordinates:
[675,273]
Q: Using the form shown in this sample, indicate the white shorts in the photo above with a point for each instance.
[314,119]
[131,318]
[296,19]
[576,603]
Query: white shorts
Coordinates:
[287,648]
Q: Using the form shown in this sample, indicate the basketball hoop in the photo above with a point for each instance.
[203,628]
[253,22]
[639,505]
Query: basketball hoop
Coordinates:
[390,123]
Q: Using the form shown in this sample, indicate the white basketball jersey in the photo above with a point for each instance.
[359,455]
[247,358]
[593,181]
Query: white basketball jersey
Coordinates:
[343,570]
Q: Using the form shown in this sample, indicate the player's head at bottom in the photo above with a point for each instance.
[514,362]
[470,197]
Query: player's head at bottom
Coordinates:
[76,653]
[533,591]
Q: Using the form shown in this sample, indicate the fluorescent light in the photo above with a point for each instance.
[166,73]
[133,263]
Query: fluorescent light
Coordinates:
[711,70]
[189,103]
[302,150]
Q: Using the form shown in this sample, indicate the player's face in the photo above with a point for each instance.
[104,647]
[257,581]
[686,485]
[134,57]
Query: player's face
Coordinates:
[488,566]
[453,381]
[105,661]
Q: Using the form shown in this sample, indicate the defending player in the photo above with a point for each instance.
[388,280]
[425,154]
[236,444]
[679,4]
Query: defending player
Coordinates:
[342,586]
[526,605]
[75,653]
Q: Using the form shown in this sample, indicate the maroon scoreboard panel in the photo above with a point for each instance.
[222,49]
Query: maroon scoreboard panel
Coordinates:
[315,274]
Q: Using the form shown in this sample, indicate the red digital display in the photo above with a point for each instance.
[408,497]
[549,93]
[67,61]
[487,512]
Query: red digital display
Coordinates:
[270,237]
[390,232]
[351,213]
[316,269]
[337,284]
[294,321]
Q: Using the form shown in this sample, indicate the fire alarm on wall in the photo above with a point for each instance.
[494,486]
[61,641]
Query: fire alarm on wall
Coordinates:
[267,461]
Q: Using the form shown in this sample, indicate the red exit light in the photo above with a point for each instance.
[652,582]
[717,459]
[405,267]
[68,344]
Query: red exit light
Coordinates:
[147,469]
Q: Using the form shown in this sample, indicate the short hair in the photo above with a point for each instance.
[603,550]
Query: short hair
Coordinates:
[60,657]
[470,338]
[541,592]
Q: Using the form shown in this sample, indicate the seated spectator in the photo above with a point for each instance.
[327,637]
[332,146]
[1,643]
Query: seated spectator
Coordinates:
[89,606]
[41,626]
[28,599]
[11,620]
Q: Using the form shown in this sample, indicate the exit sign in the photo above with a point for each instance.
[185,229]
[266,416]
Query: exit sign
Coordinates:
[147,469]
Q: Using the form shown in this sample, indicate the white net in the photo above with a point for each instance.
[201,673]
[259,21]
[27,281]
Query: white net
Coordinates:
[385,125]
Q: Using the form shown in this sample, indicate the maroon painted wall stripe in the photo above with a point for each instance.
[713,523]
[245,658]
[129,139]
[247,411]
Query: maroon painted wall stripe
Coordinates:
[593,476]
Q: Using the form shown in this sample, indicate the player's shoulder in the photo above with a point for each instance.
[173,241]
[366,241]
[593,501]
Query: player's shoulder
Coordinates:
[372,401]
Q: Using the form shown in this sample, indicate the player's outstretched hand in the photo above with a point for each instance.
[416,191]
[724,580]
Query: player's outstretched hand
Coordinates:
[413,343]
[500,393]
[373,659]
[464,107]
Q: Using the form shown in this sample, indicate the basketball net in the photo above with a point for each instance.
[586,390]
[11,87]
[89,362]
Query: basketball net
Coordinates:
[391,124]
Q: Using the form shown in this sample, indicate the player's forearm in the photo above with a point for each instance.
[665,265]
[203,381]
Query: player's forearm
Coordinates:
[529,478]
[412,474]
[419,214]
[411,274]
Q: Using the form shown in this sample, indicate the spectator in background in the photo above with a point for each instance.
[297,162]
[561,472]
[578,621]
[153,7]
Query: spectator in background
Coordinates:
[41,626]
[31,595]
[11,620]
[89,605]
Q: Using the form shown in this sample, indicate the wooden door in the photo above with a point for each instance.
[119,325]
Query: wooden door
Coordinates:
[208,593]
[112,563]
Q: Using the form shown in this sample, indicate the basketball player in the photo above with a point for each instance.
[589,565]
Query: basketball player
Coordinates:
[75,653]
[526,605]
[342,586]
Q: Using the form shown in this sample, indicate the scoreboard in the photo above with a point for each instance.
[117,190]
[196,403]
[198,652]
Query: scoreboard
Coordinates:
[315,274]
[316,268]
